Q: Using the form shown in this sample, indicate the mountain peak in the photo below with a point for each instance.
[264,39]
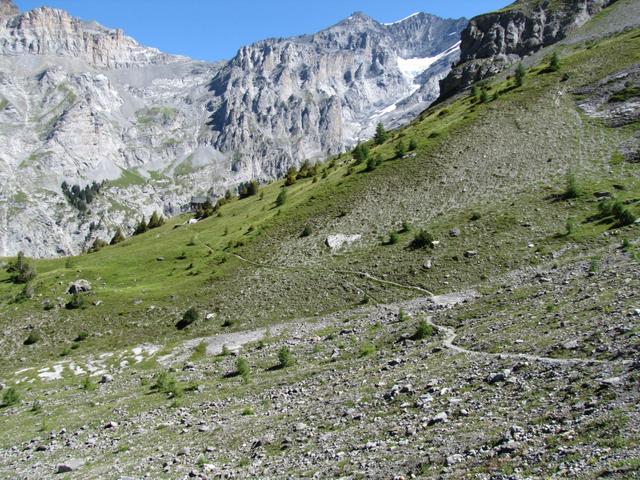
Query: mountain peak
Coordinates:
[358,18]
[8,8]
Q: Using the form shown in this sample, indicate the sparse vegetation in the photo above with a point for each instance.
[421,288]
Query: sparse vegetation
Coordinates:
[285,358]
[422,239]
[188,318]
[282,198]
[573,189]
[242,368]
[21,270]
[167,384]
[10,397]
[423,330]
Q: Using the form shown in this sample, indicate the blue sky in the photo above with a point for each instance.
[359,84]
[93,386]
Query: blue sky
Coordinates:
[215,29]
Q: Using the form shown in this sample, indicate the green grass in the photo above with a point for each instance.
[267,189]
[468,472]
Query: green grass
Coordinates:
[129,279]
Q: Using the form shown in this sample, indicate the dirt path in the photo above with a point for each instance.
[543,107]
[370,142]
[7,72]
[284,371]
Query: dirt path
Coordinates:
[450,335]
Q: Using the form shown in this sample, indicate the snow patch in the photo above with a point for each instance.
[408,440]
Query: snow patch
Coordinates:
[400,21]
[412,67]
[384,111]
[47,374]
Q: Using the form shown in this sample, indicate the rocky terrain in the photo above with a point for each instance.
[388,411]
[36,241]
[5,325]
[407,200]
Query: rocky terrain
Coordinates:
[82,103]
[495,41]
[463,303]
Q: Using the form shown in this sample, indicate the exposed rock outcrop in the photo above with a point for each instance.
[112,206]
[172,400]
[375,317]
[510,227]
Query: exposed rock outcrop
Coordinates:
[494,41]
[80,103]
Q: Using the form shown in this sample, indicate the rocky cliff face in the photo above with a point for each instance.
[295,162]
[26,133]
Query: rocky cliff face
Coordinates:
[82,103]
[313,95]
[494,41]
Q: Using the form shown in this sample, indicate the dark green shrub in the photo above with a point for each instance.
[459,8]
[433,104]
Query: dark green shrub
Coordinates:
[422,239]
[141,228]
[307,231]
[155,221]
[167,384]
[284,357]
[242,368]
[394,238]
[10,397]
[98,244]
[76,302]
[571,226]
[573,189]
[406,227]
[626,218]
[521,73]
[292,176]
[401,149]
[21,270]
[34,337]
[282,198]
[82,336]
[190,316]
[118,237]
[360,153]
[367,349]
[371,164]
[248,189]
[412,145]
[88,385]
[554,65]
[423,330]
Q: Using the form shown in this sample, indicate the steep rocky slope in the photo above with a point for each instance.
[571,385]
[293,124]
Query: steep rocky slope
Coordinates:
[494,41]
[82,103]
[313,95]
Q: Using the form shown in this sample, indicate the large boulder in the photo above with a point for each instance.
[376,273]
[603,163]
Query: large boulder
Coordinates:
[338,241]
[79,286]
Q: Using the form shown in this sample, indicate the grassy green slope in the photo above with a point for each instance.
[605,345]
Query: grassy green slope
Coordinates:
[503,159]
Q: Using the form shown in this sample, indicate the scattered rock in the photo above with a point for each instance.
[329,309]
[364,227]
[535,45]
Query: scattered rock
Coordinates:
[70,465]
[571,345]
[441,417]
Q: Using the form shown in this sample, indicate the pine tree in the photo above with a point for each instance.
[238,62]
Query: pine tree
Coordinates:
[401,149]
[142,227]
[520,74]
[360,153]
[381,134]
[555,62]
[475,92]
[282,198]
[156,221]
[292,176]
[118,237]
[413,144]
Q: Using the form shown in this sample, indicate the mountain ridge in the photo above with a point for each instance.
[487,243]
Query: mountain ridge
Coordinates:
[83,102]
